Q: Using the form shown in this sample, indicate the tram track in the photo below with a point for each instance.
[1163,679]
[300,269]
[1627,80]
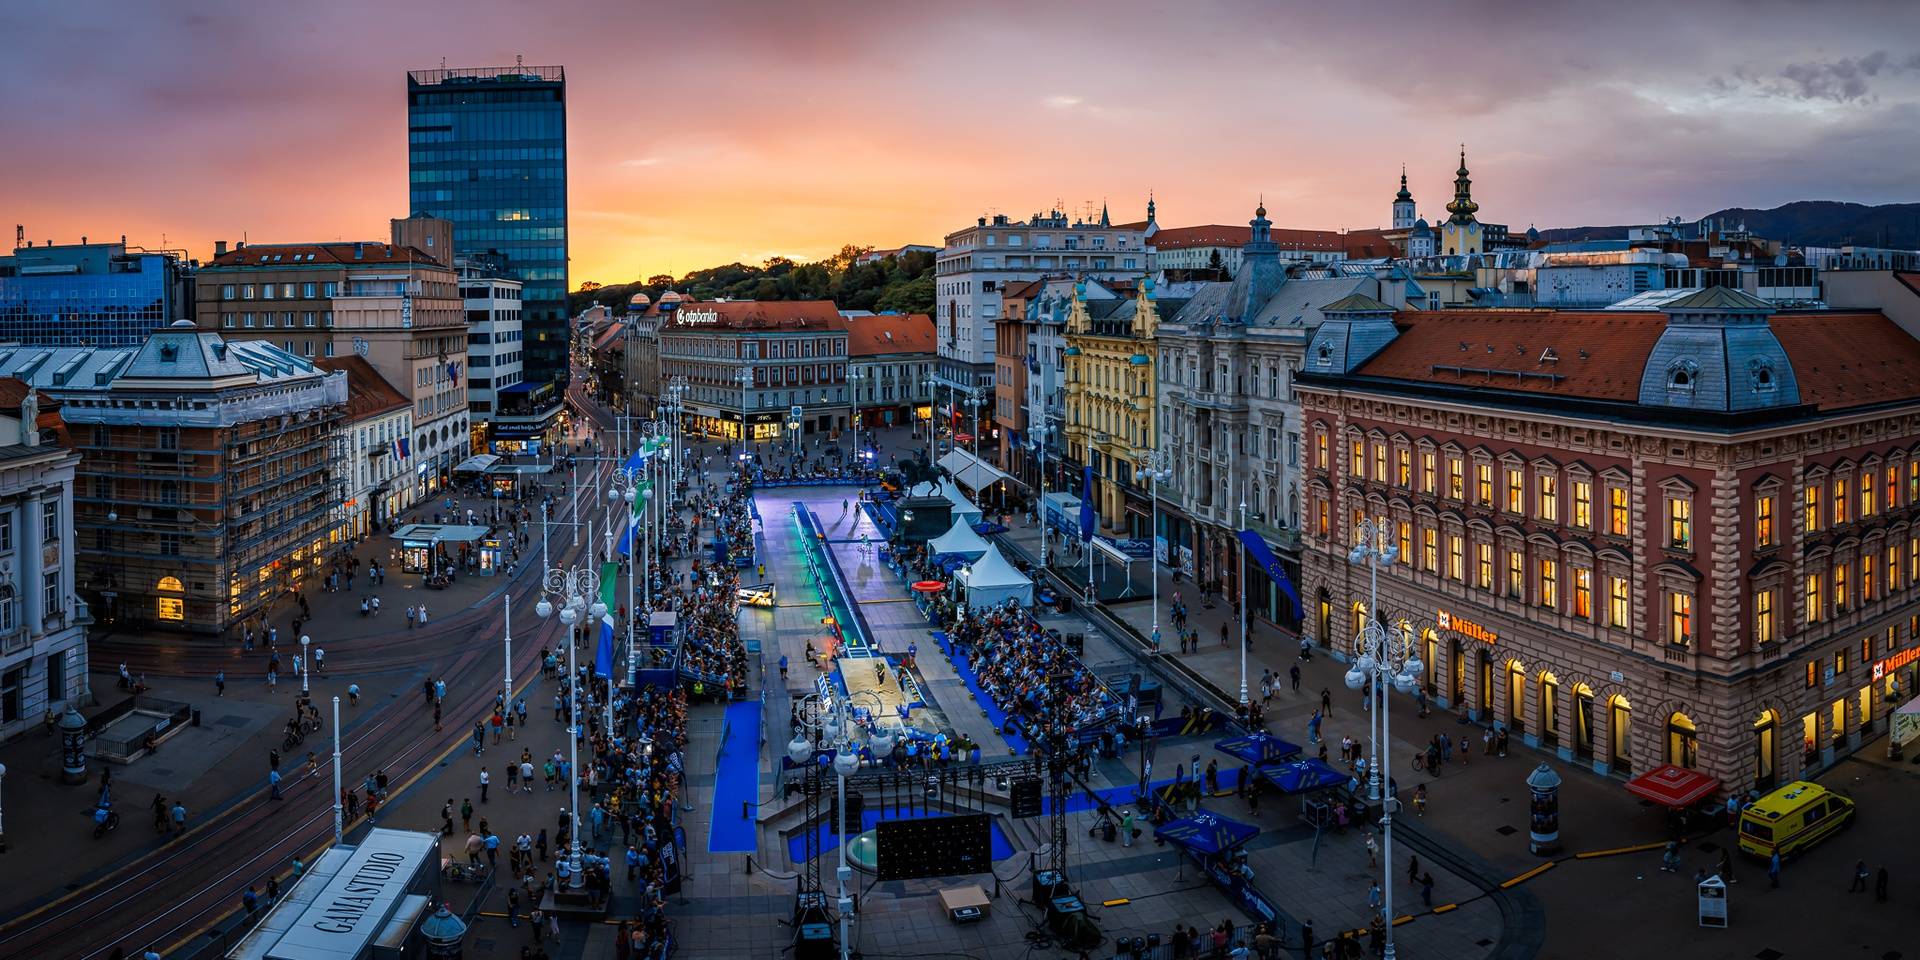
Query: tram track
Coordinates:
[140,903]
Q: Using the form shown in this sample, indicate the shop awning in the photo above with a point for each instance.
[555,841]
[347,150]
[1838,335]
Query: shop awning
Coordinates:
[1258,749]
[478,463]
[1206,833]
[443,533]
[1671,786]
[972,472]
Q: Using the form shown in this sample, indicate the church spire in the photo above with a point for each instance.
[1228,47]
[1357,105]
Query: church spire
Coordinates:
[1403,196]
[1149,206]
[1462,208]
[1104,220]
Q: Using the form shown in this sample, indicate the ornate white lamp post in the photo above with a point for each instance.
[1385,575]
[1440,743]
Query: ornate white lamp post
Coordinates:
[577,590]
[1153,472]
[1382,657]
[832,721]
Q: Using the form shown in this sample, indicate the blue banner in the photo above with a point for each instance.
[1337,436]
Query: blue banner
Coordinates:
[603,653]
[1086,503]
[1263,555]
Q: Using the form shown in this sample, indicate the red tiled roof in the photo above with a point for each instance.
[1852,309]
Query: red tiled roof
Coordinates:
[1840,359]
[1369,245]
[1021,289]
[890,333]
[1851,359]
[1616,345]
[760,315]
[368,393]
[286,254]
[1911,280]
[1223,235]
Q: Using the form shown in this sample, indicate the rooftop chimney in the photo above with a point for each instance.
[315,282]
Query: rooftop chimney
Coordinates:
[219,248]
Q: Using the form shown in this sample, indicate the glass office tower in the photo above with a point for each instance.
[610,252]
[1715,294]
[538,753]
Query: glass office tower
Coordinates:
[487,149]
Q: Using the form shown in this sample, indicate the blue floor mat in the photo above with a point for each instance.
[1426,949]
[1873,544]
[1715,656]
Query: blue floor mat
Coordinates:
[736,782]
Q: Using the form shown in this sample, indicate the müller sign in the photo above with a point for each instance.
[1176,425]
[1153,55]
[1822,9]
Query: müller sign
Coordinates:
[1466,628]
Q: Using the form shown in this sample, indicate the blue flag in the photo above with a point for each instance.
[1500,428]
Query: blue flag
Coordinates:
[1263,555]
[1086,503]
[603,653]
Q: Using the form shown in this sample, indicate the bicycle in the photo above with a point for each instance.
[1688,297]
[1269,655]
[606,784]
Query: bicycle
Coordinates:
[1420,761]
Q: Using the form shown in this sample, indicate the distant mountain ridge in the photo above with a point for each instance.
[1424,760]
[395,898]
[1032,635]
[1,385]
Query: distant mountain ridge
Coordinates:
[1818,223]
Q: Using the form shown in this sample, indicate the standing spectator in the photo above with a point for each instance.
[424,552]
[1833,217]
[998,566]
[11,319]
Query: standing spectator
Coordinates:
[486,779]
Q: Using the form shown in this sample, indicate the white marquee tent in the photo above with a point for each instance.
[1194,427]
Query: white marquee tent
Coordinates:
[991,581]
[959,540]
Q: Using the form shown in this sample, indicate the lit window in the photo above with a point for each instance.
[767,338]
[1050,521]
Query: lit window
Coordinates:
[1549,583]
[1892,569]
[1617,511]
[1483,564]
[1549,498]
[1583,504]
[1763,625]
[1516,574]
[1680,522]
[1866,495]
[1403,469]
[1680,618]
[1456,557]
[1583,593]
[1456,479]
[1839,587]
[1406,543]
[1763,532]
[1379,463]
[1320,450]
[1813,508]
[1617,608]
[1839,500]
[1359,459]
[1866,577]
[1427,472]
[1483,484]
[1516,491]
[1813,598]
[1430,550]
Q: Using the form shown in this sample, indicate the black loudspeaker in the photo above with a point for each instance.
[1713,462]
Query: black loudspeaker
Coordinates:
[1025,798]
[814,941]
[1062,912]
[856,806]
[934,847]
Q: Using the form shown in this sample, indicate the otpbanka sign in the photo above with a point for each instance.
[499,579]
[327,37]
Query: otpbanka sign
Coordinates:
[690,317]
[1466,628]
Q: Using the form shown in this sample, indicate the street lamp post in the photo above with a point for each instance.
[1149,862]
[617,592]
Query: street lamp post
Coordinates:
[339,816]
[1154,472]
[1382,657]
[1040,448]
[506,621]
[929,383]
[1240,577]
[833,720]
[577,589]
[3,822]
[306,663]
[629,487]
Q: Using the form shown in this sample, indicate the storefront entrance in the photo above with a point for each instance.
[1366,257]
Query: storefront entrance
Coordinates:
[1764,746]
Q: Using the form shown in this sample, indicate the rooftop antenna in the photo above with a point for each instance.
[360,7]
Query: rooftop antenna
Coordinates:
[443,63]
[519,61]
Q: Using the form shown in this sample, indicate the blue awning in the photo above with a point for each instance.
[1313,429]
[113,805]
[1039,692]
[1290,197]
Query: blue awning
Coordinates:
[1258,749]
[1304,776]
[1207,833]
[521,387]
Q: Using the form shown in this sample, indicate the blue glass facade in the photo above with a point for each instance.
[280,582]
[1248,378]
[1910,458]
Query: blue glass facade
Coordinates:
[487,150]
[88,296]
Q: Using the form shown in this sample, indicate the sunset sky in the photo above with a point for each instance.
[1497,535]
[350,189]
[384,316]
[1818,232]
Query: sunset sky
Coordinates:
[707,132]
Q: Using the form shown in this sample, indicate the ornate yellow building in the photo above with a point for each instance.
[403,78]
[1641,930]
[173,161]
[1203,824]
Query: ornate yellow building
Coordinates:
[1110,399]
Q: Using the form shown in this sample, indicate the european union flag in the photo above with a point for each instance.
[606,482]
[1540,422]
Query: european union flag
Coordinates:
[1263,555]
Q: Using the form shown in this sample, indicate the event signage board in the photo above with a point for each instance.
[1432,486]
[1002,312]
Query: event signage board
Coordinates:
[356,903]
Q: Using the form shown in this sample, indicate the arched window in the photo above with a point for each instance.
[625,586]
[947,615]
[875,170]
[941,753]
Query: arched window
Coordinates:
[1516,697]
[1549,709]
[1683,741]
[9,609]
[1582,720]
[172,609]
[1620,730]
[1765,745]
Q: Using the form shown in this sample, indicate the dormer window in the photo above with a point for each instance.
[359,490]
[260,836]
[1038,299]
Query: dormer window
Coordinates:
[1325,357]
[1682,374]
[1761,373]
